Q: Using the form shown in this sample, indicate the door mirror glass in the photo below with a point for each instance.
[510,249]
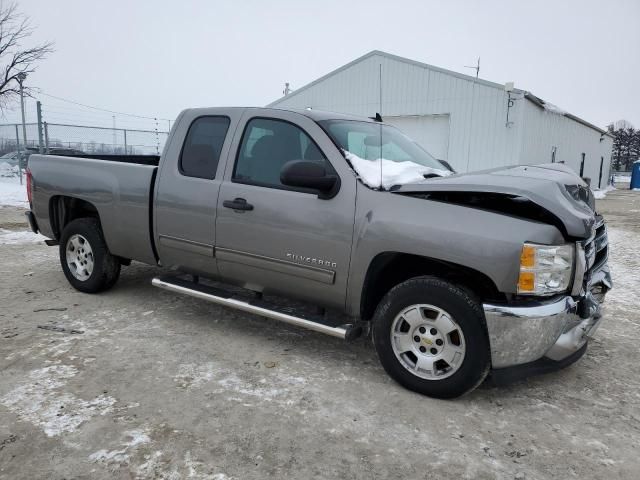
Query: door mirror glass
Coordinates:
[308,174]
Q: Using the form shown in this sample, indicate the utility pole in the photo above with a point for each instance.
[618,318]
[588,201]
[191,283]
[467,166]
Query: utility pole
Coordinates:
[114,133]
[46,138]
[21,78]
[40,132]
[473,97]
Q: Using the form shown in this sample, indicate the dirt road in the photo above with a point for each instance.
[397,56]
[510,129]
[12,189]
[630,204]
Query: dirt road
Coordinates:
[140,383]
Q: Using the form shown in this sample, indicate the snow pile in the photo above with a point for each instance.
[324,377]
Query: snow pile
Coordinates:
[12,193]
[7,170]
[600,194]
[9,237]
[388,173]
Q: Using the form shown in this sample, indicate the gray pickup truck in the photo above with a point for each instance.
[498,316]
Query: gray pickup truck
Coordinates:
[345,226]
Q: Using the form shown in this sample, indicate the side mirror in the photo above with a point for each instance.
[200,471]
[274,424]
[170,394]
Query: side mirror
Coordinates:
[308,174]
[447,165]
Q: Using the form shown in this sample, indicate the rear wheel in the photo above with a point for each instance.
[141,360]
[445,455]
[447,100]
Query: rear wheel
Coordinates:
[85,258]
[430,337]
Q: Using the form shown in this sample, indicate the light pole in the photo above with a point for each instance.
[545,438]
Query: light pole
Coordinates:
[21,78]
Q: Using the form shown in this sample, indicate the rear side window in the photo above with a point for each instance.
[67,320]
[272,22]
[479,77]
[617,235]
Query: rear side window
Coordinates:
[202,147]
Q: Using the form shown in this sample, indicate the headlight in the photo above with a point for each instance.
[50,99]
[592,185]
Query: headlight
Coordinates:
[544,269]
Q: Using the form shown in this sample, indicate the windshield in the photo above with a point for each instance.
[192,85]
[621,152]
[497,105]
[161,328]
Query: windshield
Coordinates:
[382,155]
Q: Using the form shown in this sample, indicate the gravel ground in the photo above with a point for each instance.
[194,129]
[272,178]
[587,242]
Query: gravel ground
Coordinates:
[141,383]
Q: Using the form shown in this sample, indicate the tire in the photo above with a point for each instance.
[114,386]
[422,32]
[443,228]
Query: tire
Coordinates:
[85,258]
[458,352]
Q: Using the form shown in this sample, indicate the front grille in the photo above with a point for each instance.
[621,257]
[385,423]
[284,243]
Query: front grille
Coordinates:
[597,247]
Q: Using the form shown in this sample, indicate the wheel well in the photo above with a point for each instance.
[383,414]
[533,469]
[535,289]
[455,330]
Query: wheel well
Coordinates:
[63,210]
[391,268]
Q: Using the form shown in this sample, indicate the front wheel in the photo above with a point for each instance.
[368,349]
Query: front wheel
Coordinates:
[85,258]
[430,337]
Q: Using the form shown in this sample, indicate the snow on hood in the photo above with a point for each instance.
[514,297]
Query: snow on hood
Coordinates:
[387,173]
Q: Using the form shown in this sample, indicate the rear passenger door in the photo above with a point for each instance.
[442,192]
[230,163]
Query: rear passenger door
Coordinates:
[188,187]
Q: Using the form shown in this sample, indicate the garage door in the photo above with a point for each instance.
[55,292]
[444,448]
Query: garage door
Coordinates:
[430,131]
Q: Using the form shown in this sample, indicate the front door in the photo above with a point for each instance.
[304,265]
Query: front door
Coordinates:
[188,188]
[279,239]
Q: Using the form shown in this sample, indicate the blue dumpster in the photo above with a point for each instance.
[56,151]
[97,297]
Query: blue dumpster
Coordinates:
[635,175]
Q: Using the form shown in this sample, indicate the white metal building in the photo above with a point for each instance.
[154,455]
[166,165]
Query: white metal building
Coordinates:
[472,123]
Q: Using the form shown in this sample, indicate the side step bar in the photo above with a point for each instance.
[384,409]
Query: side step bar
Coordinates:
[258,307]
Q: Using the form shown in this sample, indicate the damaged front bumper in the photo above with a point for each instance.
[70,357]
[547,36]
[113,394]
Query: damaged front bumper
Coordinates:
[555,330]
[547,335]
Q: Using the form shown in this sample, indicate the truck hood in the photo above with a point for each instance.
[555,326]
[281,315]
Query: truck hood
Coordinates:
[554,188]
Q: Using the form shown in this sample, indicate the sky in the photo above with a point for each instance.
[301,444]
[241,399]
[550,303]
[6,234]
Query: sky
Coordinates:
[155,58]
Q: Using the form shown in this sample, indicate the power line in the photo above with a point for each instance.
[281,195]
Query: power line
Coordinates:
[102,109]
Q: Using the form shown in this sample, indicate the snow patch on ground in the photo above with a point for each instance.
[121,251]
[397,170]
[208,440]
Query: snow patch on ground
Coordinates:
[388,173]
[7,170]
[11,192]
[600,194]
[10,237]
[122,455]
[40,401]
[195,375]
[276,388]
[157,467]
[625,268]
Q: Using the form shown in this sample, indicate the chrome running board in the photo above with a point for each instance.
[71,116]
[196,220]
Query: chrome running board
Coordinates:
[225,298]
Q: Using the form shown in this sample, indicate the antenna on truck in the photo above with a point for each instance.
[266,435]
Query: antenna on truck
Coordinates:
[378,118]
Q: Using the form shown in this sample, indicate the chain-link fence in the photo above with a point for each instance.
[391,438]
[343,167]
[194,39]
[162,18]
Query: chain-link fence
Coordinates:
[11,137]
[57,137]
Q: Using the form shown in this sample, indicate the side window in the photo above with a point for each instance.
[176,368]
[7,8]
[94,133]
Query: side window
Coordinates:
[267,144]
[202,147]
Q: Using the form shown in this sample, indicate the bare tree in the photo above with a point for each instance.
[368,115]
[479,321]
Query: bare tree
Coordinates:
[15,57]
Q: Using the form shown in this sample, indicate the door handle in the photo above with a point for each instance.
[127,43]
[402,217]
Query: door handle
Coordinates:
[238,204]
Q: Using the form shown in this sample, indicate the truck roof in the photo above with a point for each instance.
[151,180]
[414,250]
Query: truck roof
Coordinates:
[319,115]
[316,115]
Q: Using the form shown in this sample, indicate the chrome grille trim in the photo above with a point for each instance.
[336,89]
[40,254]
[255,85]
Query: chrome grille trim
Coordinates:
[596,253]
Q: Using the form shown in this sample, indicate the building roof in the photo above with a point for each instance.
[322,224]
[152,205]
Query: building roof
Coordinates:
[550,107]
[528,95]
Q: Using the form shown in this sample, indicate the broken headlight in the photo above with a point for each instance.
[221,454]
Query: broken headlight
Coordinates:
[581,194]
[545,269]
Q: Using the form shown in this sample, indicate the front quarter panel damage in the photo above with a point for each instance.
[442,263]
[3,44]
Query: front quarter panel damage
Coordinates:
[486,241]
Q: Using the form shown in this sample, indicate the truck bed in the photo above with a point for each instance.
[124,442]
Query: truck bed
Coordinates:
[119,189]
[152,160]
